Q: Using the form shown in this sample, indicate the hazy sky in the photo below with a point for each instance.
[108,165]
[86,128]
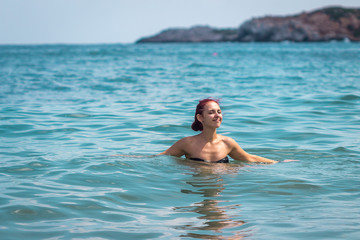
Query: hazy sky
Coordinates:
[125,21]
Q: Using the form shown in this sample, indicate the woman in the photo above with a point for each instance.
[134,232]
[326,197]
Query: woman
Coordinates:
[208,146]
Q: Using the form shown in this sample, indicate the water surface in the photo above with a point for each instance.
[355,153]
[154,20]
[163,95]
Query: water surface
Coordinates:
[65,110]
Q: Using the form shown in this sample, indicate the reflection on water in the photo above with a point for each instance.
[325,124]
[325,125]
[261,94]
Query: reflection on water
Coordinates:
[212,211]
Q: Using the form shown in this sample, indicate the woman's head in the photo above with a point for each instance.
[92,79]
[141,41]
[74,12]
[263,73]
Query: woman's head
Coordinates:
[199,113]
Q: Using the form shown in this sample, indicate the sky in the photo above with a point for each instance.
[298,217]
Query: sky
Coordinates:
[125,21]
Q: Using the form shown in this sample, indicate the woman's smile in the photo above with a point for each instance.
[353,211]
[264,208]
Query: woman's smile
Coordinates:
[217,119]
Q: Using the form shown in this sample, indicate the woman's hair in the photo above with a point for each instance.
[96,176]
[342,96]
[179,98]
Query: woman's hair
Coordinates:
[197,125]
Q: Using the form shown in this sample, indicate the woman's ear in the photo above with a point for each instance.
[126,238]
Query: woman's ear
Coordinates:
[199,117]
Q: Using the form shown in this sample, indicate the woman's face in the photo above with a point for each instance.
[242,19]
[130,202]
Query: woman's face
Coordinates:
[211,116]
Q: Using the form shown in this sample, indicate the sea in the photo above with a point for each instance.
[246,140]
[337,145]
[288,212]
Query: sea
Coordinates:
[81,127]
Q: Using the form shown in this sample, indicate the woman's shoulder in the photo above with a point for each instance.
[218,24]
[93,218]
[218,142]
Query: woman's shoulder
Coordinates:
[227,140]
[191,139]
[186,140]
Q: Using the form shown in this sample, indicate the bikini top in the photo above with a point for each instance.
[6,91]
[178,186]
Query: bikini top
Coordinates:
[224,160]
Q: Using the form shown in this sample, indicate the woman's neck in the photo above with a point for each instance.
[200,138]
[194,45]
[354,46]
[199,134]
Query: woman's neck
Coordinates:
[209,135]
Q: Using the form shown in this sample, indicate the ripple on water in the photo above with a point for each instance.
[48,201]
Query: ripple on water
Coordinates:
[350,97]
[343,149]
[32,213]
[74,115]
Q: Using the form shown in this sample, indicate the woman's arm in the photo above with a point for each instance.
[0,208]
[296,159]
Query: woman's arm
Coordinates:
[255,158]
[177,149]
[238,153]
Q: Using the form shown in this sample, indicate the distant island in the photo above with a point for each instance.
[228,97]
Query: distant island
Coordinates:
[327,24]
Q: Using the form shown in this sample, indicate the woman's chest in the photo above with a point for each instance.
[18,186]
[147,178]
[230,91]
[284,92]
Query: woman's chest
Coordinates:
[208,149]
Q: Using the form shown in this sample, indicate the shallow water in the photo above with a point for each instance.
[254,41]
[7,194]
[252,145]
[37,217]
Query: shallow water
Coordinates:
[65,110]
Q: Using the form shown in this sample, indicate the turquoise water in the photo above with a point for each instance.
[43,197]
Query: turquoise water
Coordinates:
[66,110]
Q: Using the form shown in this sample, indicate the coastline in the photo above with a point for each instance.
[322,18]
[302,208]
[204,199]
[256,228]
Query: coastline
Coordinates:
[323,25]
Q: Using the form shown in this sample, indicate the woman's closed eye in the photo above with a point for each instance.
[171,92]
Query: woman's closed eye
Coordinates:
[213,111]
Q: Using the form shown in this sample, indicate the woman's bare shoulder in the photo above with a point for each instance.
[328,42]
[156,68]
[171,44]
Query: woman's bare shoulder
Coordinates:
[187,140]
[231,143]
[227,139]
[191,139]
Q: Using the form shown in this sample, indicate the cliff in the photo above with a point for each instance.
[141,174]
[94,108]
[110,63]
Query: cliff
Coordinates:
[194,34]
[332,23]
[327,24]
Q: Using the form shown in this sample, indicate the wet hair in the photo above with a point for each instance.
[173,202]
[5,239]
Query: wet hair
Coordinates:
[197,125]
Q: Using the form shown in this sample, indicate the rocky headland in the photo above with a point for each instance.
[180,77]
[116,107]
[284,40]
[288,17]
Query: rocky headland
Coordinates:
[194,34]
[327,24]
